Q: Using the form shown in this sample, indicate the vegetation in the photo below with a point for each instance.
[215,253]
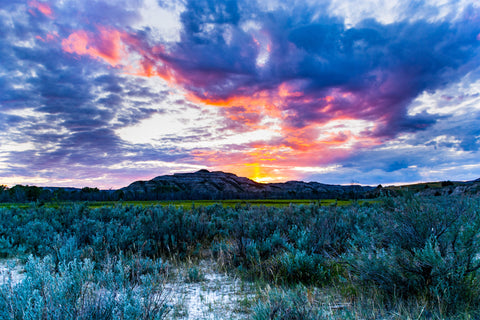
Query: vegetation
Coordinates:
[418,257]
[84,290]
[187,204]
[56,197]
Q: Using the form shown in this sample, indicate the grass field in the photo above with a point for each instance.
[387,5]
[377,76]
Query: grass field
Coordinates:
[190,203]
[224,203]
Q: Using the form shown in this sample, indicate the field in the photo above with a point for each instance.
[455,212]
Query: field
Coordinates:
[397,258]
[189,203]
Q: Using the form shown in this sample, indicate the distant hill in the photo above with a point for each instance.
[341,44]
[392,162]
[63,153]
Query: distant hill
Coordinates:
[204,184]
[218,185]
[440,188]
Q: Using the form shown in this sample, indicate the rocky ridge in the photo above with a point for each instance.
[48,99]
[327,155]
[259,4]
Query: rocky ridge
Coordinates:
[204,184]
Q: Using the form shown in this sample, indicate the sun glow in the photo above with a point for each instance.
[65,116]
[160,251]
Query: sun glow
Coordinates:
[257,174]
[265,179]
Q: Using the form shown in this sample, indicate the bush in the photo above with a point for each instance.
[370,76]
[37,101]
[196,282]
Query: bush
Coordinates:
[194,274]
[76,291]
[422,247]
[402,248]
[278,304]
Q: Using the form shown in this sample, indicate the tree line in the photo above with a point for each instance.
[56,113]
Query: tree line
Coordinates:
[23,194]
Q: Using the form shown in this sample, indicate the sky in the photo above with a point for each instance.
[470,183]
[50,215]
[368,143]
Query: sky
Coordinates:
[103,93]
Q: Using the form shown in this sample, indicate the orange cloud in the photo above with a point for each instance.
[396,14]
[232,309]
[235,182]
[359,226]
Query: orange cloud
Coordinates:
[149,63]
[299,144]
[271,163]
[107,45]
[120,50]
[264,102]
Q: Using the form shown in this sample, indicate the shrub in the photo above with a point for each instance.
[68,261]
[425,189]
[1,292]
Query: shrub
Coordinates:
[194,274]
[422,247]
[278,304]
[76,291]
[296,267]
[6,246]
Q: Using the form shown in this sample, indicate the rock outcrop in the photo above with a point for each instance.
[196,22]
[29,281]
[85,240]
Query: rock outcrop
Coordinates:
[204,184]
[456,188]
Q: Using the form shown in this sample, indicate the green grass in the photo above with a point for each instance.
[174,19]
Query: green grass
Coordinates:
[224,203]
[190,203]
[17,205]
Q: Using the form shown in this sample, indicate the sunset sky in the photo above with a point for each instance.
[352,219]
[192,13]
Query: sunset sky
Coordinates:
[103,93]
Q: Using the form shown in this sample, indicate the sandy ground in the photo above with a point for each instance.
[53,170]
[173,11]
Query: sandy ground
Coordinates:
[217,296]
[11,268]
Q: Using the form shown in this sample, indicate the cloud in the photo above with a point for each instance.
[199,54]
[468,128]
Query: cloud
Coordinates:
[63,107]
[105,45]
[41,7]
[371,71]
[267,86]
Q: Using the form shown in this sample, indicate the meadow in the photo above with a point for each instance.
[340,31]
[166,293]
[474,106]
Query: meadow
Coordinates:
[395,258]
[186,203]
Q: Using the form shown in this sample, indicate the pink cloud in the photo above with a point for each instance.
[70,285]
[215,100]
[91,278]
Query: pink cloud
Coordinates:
[106,45]
[300,104]
[41,7]
[48,38]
